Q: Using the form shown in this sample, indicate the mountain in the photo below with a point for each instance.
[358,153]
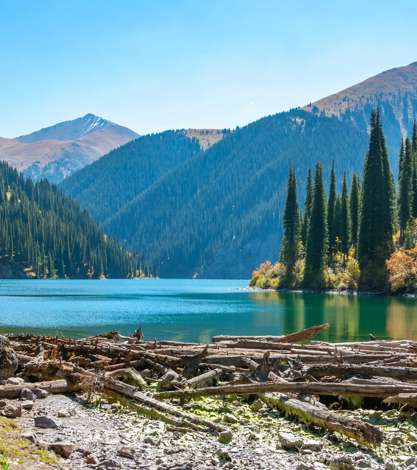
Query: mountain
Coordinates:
[43,233]
[216,211]
[113,181]
[57,151]
[394,91]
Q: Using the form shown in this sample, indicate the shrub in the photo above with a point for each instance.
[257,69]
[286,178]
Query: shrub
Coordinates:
[402,271]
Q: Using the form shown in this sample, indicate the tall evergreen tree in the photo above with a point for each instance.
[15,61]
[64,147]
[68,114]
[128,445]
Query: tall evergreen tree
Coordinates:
[414,149]
[307,209]
[344,219]
[317,236]
[406,174]
[337,223]
[290,244]
[331,214]
[354,210]
[376,226]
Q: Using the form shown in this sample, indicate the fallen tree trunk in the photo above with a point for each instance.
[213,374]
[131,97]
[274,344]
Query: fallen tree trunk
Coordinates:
[403,399]
[51,386]
[355,429]
[314,388]
[204,379]
[340,370]
[132,393]
[296,337]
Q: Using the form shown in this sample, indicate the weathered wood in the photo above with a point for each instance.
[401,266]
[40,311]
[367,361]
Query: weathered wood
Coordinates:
[130,374]
[51,386]
[132,393]
[314,388]
[204,379]
[341,370]
[351,427]
[403,398]
[296,337]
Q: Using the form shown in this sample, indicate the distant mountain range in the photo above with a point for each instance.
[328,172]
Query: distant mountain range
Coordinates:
[216,211]
[56,152]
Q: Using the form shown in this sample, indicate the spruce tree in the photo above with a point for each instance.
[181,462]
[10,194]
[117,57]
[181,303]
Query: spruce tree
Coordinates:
[414,149]
[376,225]
[331,214]
[344,219]
[406,174]
[290,244]
[316,254]
[307,209]
[354,210]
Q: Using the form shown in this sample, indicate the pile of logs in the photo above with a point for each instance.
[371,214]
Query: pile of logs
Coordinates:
[284,372]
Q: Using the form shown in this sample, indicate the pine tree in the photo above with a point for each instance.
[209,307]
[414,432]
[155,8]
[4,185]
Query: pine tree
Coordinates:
[317,236]
[376,226]
[290,244]
[405,202]
[344,219]
[331,214]
[307,209]
[414,149]
[354,210]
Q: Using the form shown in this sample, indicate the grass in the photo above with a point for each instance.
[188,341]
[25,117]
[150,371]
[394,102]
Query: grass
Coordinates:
[16,452]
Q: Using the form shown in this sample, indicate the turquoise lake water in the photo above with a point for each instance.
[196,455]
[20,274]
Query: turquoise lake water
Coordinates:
[194,310]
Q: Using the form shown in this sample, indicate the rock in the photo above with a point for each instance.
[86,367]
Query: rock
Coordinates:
[27,394]
[91,459]
[65,413]
[305,466]
[225,437]
[311,444]
[27,404]
[15,381]
[342,462]
[40,392]
[150,440]
[289,441]
[126,452]
[3,403]
[30,437]
[391,466]
[257,405]
[108,463]
[229,418]
[12,410]
[223,456]
[8,359]
[45,422]
[62,448]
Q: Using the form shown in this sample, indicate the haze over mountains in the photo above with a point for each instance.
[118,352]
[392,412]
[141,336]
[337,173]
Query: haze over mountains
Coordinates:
[57,151]
[209,203]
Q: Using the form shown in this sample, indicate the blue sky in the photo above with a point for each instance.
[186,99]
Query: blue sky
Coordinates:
[154,65]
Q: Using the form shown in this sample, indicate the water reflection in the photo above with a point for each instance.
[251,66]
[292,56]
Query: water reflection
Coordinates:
[351,317]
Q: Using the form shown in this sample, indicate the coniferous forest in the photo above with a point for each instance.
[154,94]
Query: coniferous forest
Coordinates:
[44,234]
[363,236]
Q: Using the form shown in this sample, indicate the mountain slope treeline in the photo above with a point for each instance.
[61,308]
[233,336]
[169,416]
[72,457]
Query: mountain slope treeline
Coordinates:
[217,213]
[111,182]
[43,233]
[220,212]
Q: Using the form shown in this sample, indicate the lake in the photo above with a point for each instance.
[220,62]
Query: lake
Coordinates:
[194,310]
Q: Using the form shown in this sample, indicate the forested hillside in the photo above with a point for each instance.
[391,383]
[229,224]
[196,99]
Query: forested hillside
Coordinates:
[45,234]
[108,184]
[220,213]
[217,212]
